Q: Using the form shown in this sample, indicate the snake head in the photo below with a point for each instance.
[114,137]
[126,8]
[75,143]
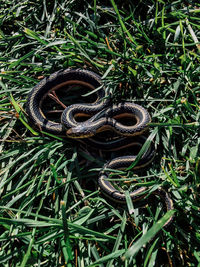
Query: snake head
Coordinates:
[80,131]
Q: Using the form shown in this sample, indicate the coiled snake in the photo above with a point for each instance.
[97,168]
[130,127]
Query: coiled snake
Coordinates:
[102,117]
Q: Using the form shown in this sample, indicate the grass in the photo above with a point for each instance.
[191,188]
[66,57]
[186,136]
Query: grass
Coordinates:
[51,210]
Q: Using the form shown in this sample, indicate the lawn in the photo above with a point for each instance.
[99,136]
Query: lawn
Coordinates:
[52,212]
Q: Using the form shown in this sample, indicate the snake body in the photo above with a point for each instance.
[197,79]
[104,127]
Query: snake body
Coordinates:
[55,81]
[122,163]
[106,120]
[100,117]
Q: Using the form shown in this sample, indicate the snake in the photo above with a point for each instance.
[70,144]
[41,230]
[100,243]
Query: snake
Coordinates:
[56,81]
[100,116]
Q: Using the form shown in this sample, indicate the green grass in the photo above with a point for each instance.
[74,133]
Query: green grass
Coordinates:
[51,210]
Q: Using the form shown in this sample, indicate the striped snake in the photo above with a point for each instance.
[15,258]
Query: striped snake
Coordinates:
[101,116]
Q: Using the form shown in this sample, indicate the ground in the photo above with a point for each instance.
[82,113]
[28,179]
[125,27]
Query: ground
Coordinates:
[52,212]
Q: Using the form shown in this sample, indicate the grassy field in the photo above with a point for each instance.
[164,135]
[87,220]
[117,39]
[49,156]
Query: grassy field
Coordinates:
[52,212]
